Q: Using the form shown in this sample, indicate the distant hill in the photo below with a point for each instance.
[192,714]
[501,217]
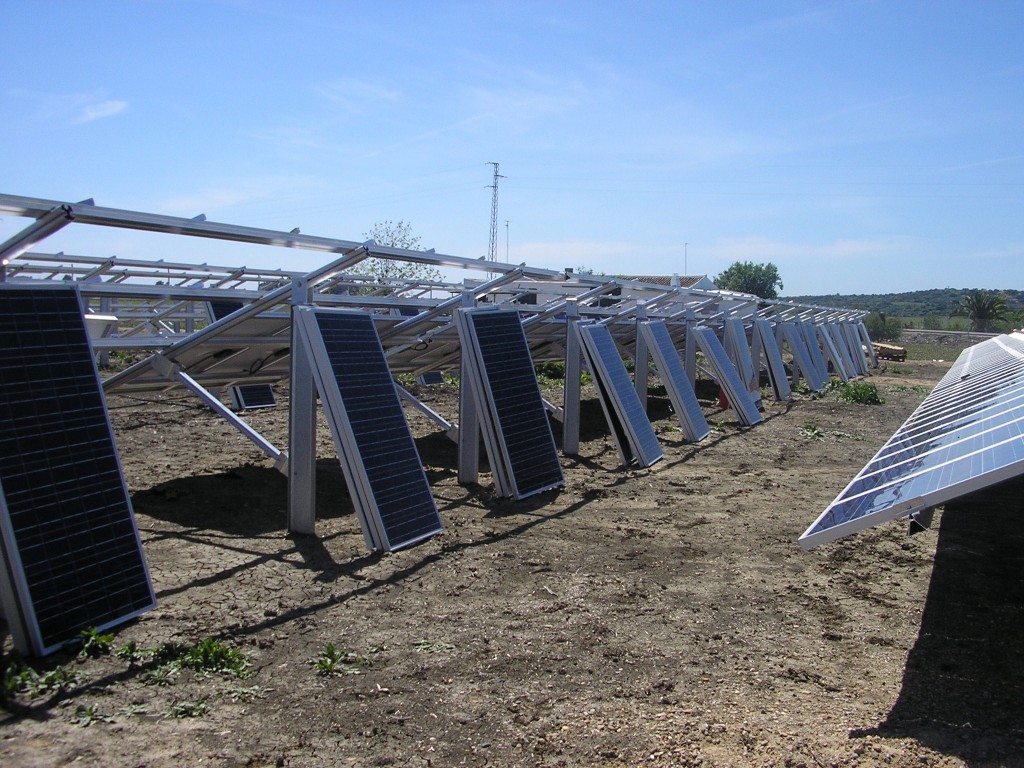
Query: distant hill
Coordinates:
[936,302]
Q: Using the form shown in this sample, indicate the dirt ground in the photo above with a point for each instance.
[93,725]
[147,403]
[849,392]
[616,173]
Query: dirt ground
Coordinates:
[662,616]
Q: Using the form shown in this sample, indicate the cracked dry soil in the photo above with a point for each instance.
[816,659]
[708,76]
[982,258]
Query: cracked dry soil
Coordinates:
[660,616]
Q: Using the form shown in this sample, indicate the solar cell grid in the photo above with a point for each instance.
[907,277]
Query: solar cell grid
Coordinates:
[519,417]
[378,429]
[672,373]
[619,396]
[939,454]
[69,536]
[728,377]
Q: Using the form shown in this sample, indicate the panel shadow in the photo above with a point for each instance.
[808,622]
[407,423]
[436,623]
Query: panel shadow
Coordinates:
[963,686]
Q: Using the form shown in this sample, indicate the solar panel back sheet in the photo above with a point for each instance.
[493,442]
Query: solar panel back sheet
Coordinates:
[71,554]
[966,435]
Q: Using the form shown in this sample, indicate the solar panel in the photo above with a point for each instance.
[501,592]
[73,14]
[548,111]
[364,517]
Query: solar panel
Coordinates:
[966,435]
[430,379]
[70,550]
[802,364]
[773,359]
[728,378]
[377,452]
[738,349]
[244,397]
[517,431]
[671,371]
[247,397]
[810,338]
[840,363]
[630,426]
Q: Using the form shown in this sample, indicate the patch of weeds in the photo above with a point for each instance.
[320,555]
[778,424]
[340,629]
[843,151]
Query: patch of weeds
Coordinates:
[164,675]
[251,693]
[21,678]
[186,709]
[898,370]
[87,715]
[717,427]
[434,646]
[812,432]
[860,392]
[94,644]
[214,656]
[131,653]
[205,657]
[335,662]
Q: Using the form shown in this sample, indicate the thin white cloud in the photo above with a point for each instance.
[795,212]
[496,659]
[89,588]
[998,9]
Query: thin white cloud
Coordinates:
[99,110]
[357,97]
[221,198]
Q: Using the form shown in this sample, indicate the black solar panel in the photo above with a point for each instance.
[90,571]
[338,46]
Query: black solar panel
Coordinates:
[617,390]
[515,401]
[71,551]
[375,423]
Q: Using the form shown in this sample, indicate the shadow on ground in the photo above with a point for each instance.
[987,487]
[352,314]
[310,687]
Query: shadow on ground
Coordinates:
[963,686]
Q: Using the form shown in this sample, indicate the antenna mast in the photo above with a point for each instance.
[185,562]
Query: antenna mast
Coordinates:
[492,251]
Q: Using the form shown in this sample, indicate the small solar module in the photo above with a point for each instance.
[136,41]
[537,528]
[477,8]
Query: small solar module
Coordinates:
[244,397]
[673,375]
[630,426]
[728,378]
[517,432]
[967,434]
[70,554]
[378,456]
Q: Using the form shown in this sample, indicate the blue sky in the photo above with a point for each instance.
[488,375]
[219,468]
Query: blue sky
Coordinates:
[862,147]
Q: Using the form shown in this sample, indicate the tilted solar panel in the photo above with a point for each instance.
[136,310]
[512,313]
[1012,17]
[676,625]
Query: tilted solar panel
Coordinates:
[966,435]
[727,376]
[671,371]
[619,397]
[513,403]
[71,554]
[773,359]
[379,458]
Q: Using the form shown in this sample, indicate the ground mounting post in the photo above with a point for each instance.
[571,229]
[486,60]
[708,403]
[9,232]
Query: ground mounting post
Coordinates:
[301,428]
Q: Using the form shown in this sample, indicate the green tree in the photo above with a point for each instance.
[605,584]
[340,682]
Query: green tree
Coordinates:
[747,277]
[395,234]
[983,309]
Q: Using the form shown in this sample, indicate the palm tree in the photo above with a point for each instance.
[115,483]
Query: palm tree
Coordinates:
[983,309]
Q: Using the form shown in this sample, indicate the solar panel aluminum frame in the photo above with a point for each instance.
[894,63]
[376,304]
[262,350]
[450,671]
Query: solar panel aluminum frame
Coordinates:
[976,392]
[673,375]
[807,330]
[363,496]
[630,426]
[15,591]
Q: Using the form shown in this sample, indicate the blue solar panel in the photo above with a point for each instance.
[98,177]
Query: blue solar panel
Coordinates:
[671,371]
[618,397]
[514,402]
[71,551]
[773,360]
[966,435]
[380,458]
